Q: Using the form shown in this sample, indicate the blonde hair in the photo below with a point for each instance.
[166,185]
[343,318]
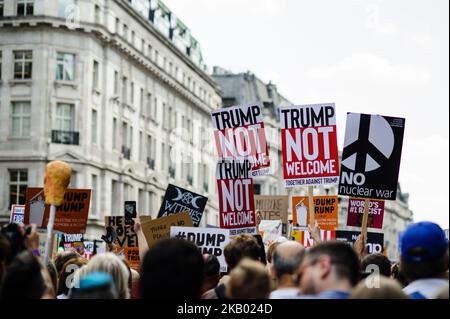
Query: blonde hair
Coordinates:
[388,289]
[113,265]
[249,280]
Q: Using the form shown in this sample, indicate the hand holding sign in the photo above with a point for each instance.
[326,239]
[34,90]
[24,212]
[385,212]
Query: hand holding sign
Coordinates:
[315,232]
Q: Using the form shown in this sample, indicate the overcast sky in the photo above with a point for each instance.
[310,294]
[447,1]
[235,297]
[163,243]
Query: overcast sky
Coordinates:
[382,57]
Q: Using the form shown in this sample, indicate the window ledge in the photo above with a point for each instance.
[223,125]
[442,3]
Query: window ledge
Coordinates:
[27,82]
[19,138]
[61,83]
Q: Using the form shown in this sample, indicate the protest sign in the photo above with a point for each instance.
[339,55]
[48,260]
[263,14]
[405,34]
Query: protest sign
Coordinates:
[178,200]
[159,228]
[273,208]
[239,134]
[356,209]
[17,214]
[72,242]
[71,217]
[236,201]
[371,156]
[42,233]
[309,144]
[126,242]
[325,211]
[304,237]
[270,231]
[89,248]
[375,241]
[209,241]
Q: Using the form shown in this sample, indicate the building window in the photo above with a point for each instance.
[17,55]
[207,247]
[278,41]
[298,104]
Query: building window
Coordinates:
[256,189]
[124,89]
[2,4]
[94,196]
[64,125]
[164,162]
[151,202]
[132,38]
[116,82]
[150,52]
[128,192]
[23,61]
[94,127]
[141,203]
[65,66]
[155,108]
[0,56]
[21,119]
[141,147]
[97,14]
[143,46]
[151,149]
[115,198]
[25,7]
[141,100]
[125,32]
[132,93]
[65,8]
[114,134]
[95,74]
[18,180]
[127,132]
[148,105]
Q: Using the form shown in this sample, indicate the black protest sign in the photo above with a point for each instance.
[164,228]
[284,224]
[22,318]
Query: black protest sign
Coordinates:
[371,156]
[124,234]
[179,200]
[375,241]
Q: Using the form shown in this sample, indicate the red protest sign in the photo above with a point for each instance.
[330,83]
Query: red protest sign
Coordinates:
[71,217]
[236,201]
[309,144]
[304,237]
[356,209]
[239,134]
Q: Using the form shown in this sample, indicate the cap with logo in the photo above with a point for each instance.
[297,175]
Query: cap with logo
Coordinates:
[422,241]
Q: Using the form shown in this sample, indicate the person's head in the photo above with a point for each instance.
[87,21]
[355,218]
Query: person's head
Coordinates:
[95,285]
[65,276]
[53,275]
[240,247]
[398,275]
[5,254]
[271,250]
[16,235]
[249,280]
[62,257]
[287,259]
[382,288]
[331,265]
[424,251]
[24,278]
[111,264]
[375,262]
[172,269]
[211,274]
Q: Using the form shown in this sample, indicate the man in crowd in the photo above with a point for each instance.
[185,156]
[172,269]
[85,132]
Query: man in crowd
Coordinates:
[329,271]
[287,258]
[424,260]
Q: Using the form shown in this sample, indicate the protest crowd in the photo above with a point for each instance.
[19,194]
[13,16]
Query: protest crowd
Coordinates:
[175,269]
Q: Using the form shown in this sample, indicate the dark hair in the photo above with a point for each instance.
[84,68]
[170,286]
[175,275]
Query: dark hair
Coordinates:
[212,267]
[380,260]
[5,253]
[287,265]
[398,275]
[53,275]
[240,247]
[172,269]
[65,273]
[61,258]
[16,238]
[23,278]
[343,259]
[432,268]
[262,250]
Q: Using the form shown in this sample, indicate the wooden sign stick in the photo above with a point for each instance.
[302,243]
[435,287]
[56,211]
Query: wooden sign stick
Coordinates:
[364,220]
[311,205]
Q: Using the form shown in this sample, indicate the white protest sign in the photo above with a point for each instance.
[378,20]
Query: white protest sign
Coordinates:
[270,231]
[208,240]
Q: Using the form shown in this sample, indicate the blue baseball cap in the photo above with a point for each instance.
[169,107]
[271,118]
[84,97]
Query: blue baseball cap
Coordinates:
[95,280]
[422,241]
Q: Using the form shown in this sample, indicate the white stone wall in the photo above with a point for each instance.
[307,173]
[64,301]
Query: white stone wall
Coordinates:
[99,41]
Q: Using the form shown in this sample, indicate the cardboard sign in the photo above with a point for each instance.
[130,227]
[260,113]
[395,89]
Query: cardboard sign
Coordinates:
[325,211]
[42,240]
[356,210]
[236,202]
[375,241]
[178,200]
[309,144]
[371,156]
[304,237]
[157,229]
[71,217]
[273,208]
[209,241]
[270,231]
[17,214]
[239,134]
